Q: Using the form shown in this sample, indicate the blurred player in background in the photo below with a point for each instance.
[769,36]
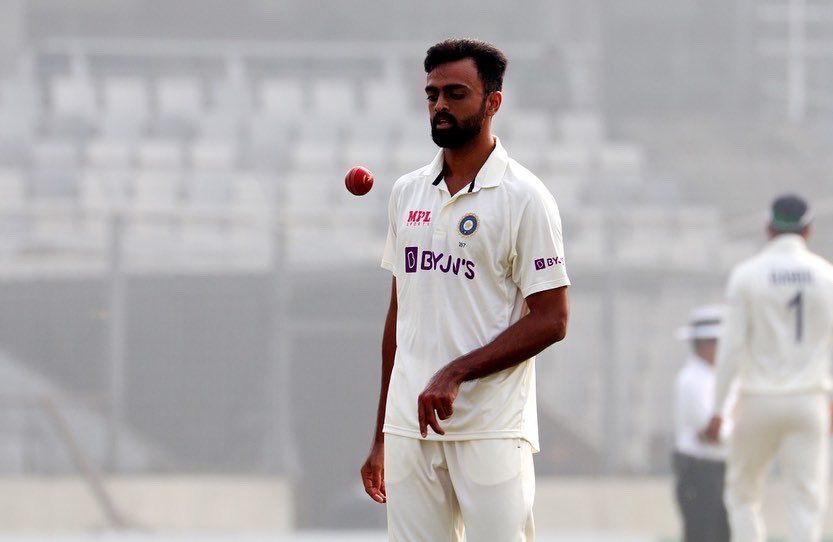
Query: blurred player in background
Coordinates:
[479,288]
[777,342]
[699,465]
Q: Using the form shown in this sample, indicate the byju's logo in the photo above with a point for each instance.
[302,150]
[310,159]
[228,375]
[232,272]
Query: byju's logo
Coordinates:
[429,260]
[543,263]
[411,257]
[418,218]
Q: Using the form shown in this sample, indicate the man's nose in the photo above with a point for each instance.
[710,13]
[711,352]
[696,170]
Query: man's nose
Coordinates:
[440,104]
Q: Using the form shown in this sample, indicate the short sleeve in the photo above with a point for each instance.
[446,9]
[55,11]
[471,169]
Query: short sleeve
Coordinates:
[538,248]
[389,253]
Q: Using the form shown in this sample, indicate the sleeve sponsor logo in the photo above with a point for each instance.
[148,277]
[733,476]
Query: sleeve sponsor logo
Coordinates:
[543,263]
[428,260]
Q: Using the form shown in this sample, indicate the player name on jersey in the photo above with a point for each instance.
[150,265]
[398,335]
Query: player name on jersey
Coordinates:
[790,277]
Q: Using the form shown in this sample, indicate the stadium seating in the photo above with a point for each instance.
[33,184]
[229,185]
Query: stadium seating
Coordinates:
[55,168]
[180,106]
[210,183]
[13,218]
[126,107]
[172,148]
[73,106]
[12,190]
[282,99]
[160,154]
[582,128]
[20,115]
[384,100]
[333,100]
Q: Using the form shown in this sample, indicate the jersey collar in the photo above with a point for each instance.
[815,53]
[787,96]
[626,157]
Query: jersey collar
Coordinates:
[787,242]
[491,174]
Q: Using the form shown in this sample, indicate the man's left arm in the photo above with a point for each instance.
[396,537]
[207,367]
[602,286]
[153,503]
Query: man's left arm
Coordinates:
[731,350]
[545,324]
[538,270]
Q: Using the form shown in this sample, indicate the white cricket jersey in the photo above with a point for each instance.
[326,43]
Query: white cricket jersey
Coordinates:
[693,402]
[778,335]
[463,266]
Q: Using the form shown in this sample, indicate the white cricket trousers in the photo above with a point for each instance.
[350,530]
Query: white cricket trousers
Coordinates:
[795,429]
[437,491]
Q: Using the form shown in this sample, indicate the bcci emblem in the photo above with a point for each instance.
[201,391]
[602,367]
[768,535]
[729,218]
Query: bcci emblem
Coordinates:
[468,224]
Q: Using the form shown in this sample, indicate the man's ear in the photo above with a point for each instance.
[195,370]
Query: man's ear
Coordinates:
[493,102]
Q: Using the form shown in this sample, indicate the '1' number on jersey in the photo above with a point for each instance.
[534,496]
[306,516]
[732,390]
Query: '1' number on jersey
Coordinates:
[798,304]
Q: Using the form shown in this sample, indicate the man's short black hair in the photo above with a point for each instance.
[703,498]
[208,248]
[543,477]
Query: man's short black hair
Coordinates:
[490,61]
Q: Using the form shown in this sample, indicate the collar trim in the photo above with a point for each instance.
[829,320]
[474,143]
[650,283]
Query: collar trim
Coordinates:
[490,174]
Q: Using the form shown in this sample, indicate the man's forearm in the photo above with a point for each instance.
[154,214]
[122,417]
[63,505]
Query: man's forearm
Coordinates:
[544,324]
[525,338]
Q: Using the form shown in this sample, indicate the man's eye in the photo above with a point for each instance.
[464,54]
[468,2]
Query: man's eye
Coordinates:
[457,96]
[431,98]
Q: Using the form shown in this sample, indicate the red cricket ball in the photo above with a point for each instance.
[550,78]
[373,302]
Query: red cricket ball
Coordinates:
[359,181]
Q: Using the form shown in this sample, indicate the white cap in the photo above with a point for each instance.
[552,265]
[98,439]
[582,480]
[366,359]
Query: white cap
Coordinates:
[706,322]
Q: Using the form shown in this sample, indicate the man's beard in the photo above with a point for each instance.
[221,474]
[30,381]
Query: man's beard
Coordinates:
[459,133]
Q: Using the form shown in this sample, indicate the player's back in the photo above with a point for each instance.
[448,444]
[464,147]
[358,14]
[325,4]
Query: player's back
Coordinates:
[787,293]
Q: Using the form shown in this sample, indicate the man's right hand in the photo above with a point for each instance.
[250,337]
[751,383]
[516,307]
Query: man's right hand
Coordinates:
[373,473]
[711,433]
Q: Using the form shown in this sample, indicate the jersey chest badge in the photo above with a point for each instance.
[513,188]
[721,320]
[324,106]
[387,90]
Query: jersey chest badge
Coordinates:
[468,225]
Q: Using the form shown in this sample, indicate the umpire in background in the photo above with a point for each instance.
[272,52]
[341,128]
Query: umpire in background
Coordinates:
[699,466]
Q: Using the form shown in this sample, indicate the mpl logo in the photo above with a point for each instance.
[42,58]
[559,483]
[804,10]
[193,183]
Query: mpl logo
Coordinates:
[418,218]
[543,263]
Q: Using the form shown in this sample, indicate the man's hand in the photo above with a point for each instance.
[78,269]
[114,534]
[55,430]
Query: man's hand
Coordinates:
[712,431]
[439,396]
[373,473]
